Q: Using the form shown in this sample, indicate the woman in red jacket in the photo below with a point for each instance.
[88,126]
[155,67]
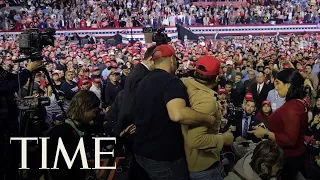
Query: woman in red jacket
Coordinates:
[288,123]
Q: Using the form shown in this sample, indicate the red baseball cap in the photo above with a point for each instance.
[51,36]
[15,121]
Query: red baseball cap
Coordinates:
[163,51]
[266,102]
[96,80]
[286,66]
[222,91]
[55,72]
[248,97]
[94,69]
[211,65]
[82,82]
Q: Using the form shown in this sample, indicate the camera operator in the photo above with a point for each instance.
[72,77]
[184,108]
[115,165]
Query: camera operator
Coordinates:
[80,118]
[9,125]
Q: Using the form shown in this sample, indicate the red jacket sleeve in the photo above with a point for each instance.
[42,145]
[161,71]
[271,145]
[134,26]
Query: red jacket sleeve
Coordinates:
[292,116]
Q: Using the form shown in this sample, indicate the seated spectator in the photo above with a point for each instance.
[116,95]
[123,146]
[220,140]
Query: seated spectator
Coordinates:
[265,162]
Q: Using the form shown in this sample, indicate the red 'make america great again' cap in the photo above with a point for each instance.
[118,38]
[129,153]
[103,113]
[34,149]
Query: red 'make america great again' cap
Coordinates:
[163,51]
[208,66]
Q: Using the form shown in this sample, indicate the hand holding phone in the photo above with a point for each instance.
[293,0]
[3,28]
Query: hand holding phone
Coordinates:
[262,125]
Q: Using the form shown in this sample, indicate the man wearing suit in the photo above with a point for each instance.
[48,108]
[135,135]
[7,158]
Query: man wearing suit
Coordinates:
[126,114]
[244,121]
[260,90]
[92,40]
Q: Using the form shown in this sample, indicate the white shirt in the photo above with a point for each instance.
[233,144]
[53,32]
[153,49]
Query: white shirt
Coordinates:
[96,90]
[145,66]
[259,87]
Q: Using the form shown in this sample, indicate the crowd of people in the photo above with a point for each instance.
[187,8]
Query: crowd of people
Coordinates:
[270,82]
[101,14]
[176,106]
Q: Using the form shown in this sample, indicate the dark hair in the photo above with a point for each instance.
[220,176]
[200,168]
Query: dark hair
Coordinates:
[149,52]
[239,74]
[269,153]
[309,65]
[82,102]
[296,81]
[229,83]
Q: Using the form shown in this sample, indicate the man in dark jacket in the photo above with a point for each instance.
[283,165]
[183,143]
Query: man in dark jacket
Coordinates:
[132,81]
[9,125]
[126,114]
[112,88]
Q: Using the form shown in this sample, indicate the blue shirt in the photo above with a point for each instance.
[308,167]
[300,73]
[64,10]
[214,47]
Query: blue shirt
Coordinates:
[315,69]
[245,75]
[275,100]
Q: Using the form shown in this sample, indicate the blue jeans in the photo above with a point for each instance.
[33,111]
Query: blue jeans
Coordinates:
[212,173]
[164,170]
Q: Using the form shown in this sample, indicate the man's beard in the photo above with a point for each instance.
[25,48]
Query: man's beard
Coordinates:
[248,114]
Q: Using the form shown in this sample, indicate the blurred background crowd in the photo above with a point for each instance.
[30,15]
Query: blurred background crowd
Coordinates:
[248,64]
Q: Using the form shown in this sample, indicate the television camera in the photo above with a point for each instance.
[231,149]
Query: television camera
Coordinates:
[232,111]
[159,36]
[32,41]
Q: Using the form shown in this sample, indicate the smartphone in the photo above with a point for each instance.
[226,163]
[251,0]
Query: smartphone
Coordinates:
[262,125]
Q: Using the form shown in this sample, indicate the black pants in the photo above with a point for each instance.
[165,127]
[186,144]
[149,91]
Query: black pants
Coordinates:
[292,166]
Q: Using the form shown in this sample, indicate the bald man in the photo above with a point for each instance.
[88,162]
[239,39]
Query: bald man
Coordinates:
[260,90]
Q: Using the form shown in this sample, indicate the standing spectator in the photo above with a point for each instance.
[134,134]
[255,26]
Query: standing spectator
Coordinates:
[308,75]
[260,90]
[126,114]
[56,79]
[265,112]
[69,87]
[112,88]
[160,104]
[84,84]
[203,164]
[289,123]
[96,87]
[275,100]
[124,75]
[252,79]
[246,120]
[238,90]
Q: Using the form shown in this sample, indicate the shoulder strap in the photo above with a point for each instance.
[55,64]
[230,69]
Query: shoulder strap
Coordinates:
[239,175]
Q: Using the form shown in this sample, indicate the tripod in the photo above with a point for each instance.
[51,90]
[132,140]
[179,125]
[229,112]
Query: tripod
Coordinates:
[30,92]
[31,127]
